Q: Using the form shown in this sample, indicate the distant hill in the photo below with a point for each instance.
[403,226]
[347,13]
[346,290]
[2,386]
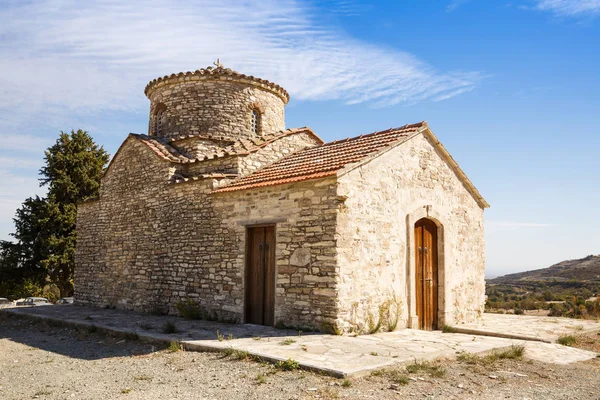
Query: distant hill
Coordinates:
[584,269]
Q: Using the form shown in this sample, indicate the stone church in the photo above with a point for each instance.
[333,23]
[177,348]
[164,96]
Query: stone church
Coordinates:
[221,206]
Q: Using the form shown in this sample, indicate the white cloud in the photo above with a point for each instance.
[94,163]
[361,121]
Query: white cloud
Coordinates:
[98,55]
[24,143]
[570,7]
[454,4]
[14,189]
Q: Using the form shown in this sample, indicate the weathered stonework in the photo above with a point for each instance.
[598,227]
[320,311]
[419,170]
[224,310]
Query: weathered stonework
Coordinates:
[170,224]
[214,104]
[375,236]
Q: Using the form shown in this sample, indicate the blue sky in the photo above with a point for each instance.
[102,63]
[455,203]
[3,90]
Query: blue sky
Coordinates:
[510,87]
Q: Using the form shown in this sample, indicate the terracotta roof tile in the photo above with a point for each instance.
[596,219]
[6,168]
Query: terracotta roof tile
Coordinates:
[322,161]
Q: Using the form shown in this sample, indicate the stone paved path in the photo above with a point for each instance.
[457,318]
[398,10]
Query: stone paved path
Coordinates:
[529,327]
[335,355]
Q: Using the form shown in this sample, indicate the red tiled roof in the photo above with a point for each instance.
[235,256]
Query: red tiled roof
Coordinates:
[322,161]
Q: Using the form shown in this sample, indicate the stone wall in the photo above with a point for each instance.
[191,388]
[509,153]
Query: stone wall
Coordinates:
[384,199]
[214,107]
[304,215]
[198,147]
[118,237]
[146,244]
[275,151]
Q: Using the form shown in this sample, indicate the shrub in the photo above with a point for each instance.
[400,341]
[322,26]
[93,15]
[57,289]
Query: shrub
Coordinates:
[435,371]
[557,310]
[169,327]
[514,352]
[519,311]
[189,309]
[288,365]
[567,340]
[174,347]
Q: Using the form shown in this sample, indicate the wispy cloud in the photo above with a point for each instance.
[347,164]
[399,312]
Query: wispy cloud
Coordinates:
[570,8]
[14,189]
[98,55]
[454,4]
[24,143]
[69,61]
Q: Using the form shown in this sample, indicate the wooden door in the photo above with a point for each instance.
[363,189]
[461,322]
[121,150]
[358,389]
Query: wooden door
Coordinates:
[260,276]
[426,273]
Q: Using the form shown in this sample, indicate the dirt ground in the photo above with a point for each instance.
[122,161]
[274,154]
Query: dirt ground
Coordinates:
[38,361]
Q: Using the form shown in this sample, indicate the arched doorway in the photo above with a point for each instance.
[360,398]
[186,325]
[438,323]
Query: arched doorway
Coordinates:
[426,273]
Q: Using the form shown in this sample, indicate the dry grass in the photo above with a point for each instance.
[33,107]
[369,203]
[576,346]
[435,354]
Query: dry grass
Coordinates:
[432,369]
[588,341]
[514,352]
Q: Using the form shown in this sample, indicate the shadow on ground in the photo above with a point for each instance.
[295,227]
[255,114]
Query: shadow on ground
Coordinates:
[106,331]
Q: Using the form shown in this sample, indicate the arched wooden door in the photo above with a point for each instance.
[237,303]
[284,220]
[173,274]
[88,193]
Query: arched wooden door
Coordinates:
[426,273]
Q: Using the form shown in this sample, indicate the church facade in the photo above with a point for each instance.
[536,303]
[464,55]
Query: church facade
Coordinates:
[221,206]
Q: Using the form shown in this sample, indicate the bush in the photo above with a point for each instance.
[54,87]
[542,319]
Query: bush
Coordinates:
[51,292]
[288,365]
[189,309]
[169,327]
[567,340]
[519,311]
[557,310]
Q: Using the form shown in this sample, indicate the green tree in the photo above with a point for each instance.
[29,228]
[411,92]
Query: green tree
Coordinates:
[72,172]
[45,227]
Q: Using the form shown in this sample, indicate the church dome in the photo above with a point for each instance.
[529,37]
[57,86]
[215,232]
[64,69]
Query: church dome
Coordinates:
[215,101]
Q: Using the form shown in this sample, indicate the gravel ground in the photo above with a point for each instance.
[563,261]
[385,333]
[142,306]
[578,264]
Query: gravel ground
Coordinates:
[38,361]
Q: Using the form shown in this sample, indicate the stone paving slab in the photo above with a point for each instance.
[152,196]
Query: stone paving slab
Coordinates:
[528,327]
[340,356]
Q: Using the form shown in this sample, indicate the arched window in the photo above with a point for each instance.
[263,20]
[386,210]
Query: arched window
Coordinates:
[159,123]
[158,128]
[255,122]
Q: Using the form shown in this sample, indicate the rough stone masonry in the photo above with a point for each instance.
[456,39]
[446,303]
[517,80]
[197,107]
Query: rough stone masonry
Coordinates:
[172,221]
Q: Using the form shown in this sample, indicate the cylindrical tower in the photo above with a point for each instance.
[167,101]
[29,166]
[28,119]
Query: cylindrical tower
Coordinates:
[217,102]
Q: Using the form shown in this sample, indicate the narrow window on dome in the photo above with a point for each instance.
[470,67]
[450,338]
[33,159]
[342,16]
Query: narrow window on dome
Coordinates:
[255,122]
[159,123]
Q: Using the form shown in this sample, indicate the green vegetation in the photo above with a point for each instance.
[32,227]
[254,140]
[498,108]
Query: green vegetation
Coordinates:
[448,329]
[40,260]
[346,383]
[564,290]
[260,379]
[174,347]
[169,327]
[430,368]
[288,365]
[394,375]
[567,340]
[287,342]
[514,352]
[43,250]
